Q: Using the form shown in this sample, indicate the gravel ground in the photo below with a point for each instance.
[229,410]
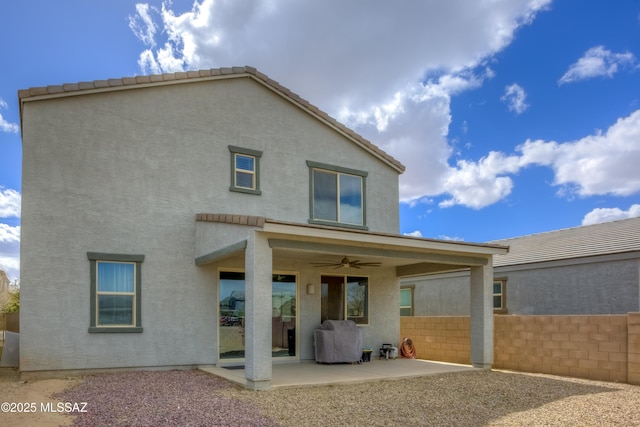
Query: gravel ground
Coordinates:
[479,398]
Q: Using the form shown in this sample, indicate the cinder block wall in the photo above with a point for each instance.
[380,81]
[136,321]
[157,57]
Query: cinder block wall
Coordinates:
[593,347]
[603,347]
[633,363]
[442,338]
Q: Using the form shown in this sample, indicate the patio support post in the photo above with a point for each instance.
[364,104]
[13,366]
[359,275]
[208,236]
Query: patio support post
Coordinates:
[258,283]
[482,316]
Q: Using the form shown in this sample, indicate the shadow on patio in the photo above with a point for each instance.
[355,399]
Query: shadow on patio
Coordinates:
[310,373]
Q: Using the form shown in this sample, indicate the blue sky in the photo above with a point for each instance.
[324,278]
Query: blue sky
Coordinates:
[512,117]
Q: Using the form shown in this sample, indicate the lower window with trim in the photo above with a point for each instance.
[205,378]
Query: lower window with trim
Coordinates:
[500,296]
[345,298]
[115,292]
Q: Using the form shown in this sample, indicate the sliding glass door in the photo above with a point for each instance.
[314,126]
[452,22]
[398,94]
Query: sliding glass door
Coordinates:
[345,297]
[232,315]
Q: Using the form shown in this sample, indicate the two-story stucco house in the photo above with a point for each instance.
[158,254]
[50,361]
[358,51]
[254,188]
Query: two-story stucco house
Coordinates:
[210,218]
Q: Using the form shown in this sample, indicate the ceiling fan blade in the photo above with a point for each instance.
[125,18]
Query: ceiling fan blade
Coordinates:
[325,264]
[346,263]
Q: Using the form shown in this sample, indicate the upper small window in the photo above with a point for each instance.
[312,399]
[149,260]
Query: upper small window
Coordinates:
[245,170]
[337,195]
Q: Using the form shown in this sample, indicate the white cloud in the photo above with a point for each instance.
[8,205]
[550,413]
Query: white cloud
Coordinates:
[453,239]
[10,250]
[604,163]
[515,98]
[600,215]
[599,164]
[142,24]
[6,126]
[597,62]
[10,202]
[482,183]
[9,234]
[387,71]
[416,233]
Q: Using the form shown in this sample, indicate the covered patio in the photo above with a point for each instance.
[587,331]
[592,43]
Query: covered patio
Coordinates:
[260,247]
[310,373]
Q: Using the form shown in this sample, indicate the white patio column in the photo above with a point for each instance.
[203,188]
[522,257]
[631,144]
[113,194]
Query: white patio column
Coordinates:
[482,316]
[257,339]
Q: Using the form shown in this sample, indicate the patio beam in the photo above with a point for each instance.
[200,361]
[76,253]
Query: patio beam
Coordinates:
[430,257]
[421,268]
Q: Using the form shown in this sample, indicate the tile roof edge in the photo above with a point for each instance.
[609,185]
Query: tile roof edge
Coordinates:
[251,220]
[560,230]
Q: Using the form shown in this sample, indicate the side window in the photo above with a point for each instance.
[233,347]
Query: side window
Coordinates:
[406,301]
[358,299]
[499,295]
[115,289]
[345,297]
[245,170]
[337,195]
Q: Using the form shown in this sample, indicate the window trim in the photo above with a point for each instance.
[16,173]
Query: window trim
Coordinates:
[256,173]
[345,296]
[503,296]
[297,306]
[410,307]
[94,258]
[338,170]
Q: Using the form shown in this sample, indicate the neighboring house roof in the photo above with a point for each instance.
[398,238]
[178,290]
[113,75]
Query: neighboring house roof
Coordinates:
[591,240]
[38,93]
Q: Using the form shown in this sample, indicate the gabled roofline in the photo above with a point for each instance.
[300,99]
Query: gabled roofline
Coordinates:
[139,82]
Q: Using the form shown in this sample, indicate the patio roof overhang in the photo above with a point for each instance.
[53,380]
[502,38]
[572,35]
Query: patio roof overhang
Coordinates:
[262,245]
[312,243]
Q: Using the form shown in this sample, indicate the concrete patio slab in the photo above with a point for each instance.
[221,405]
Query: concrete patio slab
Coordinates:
[310,373]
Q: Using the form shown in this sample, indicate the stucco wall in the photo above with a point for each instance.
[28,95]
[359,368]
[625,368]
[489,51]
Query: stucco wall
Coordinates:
[604,287]
[126,172]
[592,288]
[441,295]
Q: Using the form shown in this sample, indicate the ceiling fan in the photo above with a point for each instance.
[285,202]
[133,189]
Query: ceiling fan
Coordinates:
[346,263]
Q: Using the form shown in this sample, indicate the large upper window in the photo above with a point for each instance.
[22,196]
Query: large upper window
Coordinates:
[337,195]
[245,170]
[115,292]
